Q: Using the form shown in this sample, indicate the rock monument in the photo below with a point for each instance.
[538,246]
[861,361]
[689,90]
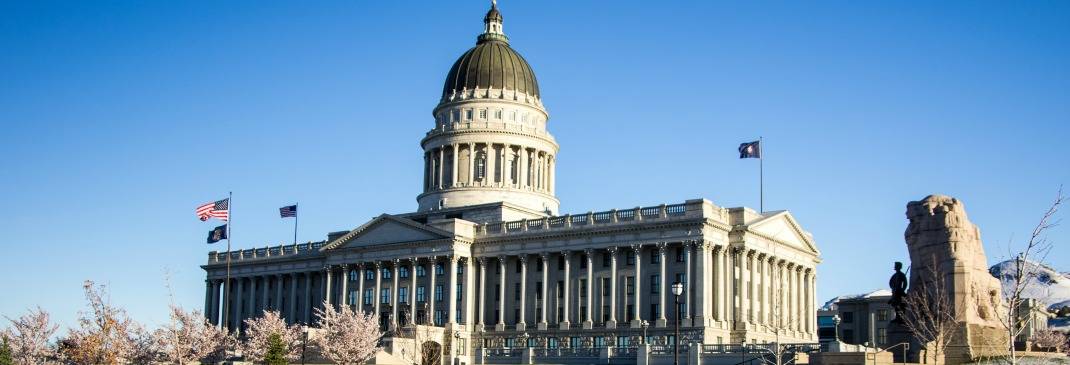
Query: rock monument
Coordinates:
[942,240]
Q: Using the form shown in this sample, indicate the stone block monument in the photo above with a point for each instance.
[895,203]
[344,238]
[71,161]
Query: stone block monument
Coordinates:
[944,244]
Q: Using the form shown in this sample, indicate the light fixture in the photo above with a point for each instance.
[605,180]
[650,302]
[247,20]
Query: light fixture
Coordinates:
[677,288]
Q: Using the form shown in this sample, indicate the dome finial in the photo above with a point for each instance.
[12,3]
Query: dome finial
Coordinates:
[492,25]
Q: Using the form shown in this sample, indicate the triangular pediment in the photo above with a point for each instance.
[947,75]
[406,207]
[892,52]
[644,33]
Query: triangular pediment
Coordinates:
[387,229]
[783,228]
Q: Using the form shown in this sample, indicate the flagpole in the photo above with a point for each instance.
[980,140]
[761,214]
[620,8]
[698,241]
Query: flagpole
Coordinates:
[761,172]
[230,217]
[295,223]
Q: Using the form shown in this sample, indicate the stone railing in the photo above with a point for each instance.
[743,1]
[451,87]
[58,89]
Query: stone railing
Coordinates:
[569,221]
[265,252]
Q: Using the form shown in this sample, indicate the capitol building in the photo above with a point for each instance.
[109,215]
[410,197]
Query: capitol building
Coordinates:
[488,263]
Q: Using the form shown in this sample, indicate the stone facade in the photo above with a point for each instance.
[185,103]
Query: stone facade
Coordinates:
[487,257]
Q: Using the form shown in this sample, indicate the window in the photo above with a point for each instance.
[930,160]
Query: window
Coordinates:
[438,293]
[440,269]
[386,273]
[420,295]
[456,115]
[481,166]
[497,114]
[460,293]
[460,270]
[623,341]
[510,342]
[599,341]
[605,313]
[403,272]
[882,315]
[457,316]
[369,274]
[512,115]
[384,296]
[679,254]
[403,294]
[583,288]
[368,296]
[439,317]
[629,260]
[482,114]
[421,271]
[574,342]
[630,311]
[655,257]
[516,314]
[353,297]
[551,342]
[583,313]
[682,279]
[629,286]
[848,317]
[468,114]
[354,275]
[655,284]
[882,336]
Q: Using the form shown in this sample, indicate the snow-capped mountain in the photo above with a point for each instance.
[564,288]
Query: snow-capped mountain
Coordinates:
[1049,286]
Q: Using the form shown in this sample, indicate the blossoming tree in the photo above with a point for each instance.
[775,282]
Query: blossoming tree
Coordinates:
[258,332]
[28,337]
[346,336]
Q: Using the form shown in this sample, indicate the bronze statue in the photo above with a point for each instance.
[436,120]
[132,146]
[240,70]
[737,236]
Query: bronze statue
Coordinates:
[898,283]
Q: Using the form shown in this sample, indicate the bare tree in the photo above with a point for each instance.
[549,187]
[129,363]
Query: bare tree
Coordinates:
[1027,263]
[346,337]
[259,330]
[105,334]
[29,337]
[930,311]
[188,337]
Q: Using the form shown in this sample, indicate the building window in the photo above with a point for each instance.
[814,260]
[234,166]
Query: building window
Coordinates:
[369,274]
[630,312]
[516,314]
[679,254]
[482,114]
[605,287]
[420,295]
[538,290]
[368,296]
[629,286]
[882,336]
[512,115]
[460,270]
[629,260]
[403,272]
[574,342]
[403,294]
[456,115]
[655,284]
[682,279]
[421,271]
[440,269]
[655,257]
[583,313]
[460,293]
[497,114]
[439,317]
[882,315]
[600,341]
[438,293]
[510,342]
[605,313]
[560,289]
[354,275]
[352,297]
[384,296]
[386,273]
[481,166]
[468,114]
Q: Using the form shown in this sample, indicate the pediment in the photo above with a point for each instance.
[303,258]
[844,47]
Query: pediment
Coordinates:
[783,228]
[387,229]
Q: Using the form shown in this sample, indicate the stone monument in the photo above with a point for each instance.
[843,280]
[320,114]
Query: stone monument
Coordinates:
[942,240]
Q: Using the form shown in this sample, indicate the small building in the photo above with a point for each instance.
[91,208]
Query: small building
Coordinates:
[864,318]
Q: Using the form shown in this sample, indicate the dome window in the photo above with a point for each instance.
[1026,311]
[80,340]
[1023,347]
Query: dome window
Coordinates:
[482,114]
[468,114]
[497,114]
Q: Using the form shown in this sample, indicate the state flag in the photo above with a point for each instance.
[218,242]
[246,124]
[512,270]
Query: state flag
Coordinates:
[750,150]
[217,234]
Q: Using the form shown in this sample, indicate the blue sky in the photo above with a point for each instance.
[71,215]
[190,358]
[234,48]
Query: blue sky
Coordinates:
[119,117]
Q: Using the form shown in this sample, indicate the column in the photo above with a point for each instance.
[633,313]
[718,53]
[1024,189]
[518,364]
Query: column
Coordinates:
[482,292]
[568,294]
[238,303]
[291,308]
[452,288]
[251,313]
[440,168]
[360,288]
[343,302]
[797,298]
[663,290]
[755,281]
[612,252]
[718,283]
[278,294]
[327,286]
[764,288]
[588,323]
[691,284]
[264,283]
[308,298]
[431,293]
[637,319]
[545,288]
[745,257]
[468,285]
[471,163]
[378,286]
[395,295]
[454,178]
[500,326]
[813,296]
[208,299]
[214,314]
[412,290]
[520,324]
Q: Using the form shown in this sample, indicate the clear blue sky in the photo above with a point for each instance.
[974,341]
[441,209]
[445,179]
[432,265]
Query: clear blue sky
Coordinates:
[119,117]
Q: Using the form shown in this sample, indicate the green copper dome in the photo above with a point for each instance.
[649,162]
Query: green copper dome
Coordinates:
[491,64]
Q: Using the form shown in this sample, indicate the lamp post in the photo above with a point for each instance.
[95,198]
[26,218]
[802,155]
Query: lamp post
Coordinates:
[645,324]
[742,351]
[836,326]
[304,343]
[677,289]
[457,347]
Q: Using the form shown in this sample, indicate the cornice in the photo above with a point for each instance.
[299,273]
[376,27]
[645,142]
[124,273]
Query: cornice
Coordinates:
[452,132]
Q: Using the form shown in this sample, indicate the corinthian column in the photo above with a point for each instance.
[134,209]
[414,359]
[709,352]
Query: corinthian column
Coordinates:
[588,322]
[394,295]
[412,290]
[500,326]
[662,288]
[612,322]
[520,324]
[637,320]
[378,286]
[545,258]
[564,317]
[343,301]
[327,286]
[432,262]
[482,292]
[452,290]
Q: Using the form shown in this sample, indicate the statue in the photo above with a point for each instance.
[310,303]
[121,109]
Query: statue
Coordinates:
[898,284]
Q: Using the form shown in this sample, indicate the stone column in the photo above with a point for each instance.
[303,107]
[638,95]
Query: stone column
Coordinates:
[291,305]
[468,285]
[433,261]
[452,289]
[251,313]
[746,257]
[763,265]
[395,294]
[568,295]
[637,319]
[343,281]
[441,167]
[612,252]
[239,302]
[545,258]
[520,323]
[482,292]
[798,296]
[378,286]
[454,163]
[360,288]
[412,290]
[307,317]
[691,283]
[208,299]
[471,164]
[663,290]
[213,309]
[500,326]
[813,295]
[588,323]
[718,284]
[755,310]
[327,285]
[264,283]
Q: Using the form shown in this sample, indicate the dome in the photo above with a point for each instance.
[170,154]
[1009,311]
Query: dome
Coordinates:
[491,64]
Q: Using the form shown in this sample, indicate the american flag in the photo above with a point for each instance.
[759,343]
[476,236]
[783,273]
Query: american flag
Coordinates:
[218,209]
[288,211]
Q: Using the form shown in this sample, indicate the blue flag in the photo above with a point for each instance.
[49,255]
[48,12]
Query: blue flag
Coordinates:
[750,150]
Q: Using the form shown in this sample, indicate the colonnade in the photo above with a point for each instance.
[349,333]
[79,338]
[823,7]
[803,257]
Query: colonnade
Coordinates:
[489,164]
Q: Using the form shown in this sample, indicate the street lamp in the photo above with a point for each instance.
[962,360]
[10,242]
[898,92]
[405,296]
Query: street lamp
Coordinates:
[645,324]
[836,326]
[742,351]
[677,289]
[304,331]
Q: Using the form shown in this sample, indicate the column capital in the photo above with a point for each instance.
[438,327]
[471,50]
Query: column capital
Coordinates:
[612,251]
[453,258]
[482,261]
[761,256]
[588,252]
[414,260]
[636,247]
[378,264]
[523,258]
[790,265]
[662,246]
[502,259]
[566,254]
[750,253]
[544,256]
[396,261]
[799,268]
